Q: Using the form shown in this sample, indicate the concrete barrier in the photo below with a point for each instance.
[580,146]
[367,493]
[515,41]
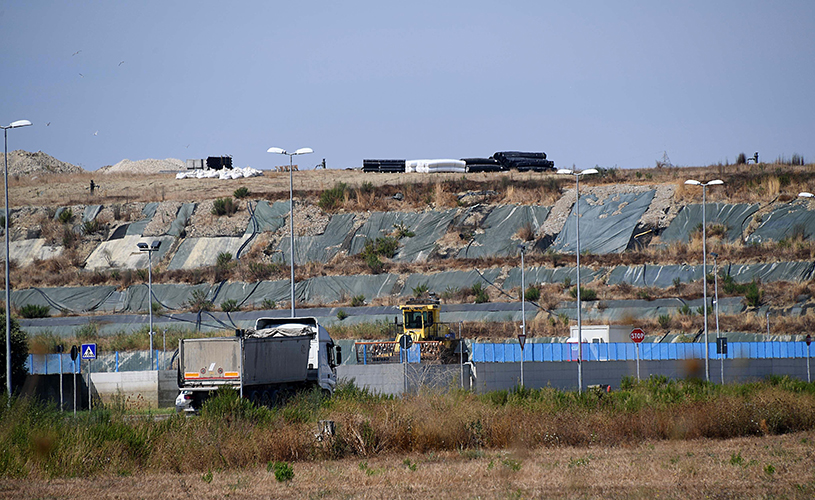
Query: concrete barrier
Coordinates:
[135,390]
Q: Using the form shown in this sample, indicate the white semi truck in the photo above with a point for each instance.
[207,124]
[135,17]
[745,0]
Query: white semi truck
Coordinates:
[279,357]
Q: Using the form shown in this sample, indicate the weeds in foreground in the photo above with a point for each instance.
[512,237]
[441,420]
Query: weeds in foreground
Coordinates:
[40,442]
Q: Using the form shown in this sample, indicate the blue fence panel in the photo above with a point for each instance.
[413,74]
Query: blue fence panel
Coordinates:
[537,352]
[489,353]
[500,353]
[52,363]
[605,351]
[561,352]
[512,352]
[670,351]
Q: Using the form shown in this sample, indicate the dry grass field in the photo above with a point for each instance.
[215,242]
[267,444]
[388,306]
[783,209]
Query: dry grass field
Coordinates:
[652,439]
[752,467]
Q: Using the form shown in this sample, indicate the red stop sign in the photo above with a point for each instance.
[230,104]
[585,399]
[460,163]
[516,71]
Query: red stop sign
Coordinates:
[637,335]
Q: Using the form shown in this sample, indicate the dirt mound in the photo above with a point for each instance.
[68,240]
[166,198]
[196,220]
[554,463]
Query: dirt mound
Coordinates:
[24,163]
[148,166]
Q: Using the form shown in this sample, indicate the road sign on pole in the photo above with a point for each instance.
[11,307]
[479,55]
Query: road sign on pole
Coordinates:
[74,355]
[637,334]
[522,341]
[808,341]
[88,351]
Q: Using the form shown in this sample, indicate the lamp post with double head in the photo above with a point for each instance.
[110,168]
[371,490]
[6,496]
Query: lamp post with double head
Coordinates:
[715,182]
[301,151]
[577,175]
[17,124]
[143,247]
[523,310]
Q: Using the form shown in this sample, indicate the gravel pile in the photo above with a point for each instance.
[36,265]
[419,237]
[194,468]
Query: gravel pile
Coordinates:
[24,163]
[149,166]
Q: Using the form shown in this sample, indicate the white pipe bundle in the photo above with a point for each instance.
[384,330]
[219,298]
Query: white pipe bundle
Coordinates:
[226,174]
[435,166]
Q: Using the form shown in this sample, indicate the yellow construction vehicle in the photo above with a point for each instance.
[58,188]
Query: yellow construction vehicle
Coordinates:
[421,323]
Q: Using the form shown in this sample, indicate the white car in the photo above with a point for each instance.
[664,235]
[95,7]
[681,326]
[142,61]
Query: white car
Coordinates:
[183,403]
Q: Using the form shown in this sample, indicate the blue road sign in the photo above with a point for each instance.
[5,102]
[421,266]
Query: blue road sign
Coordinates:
[88,351]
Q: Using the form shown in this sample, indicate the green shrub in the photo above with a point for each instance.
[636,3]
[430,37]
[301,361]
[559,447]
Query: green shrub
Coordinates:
[332,198]
[532,293]
[35,311]
[420,290]
[230,305]
[481,295]
[374,264]
[587,294]
[385,246]
[91,227]
[664,321]
[358,300]
[198,301]
[223,206]
[241,192]
[341,314]
[223,260]
[282,471]
[402,231]
[268,304]
[753,295]
[66,216]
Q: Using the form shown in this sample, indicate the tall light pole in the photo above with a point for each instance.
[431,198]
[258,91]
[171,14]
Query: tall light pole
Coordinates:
[715,182]
[301,151]
[577,175]
[17,124]
[716,301]
[523,311]
[150,249]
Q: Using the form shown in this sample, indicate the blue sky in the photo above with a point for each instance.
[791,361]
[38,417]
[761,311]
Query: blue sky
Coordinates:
[590,83]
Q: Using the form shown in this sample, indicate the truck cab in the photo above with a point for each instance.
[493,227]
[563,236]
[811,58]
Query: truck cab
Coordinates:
[323,355]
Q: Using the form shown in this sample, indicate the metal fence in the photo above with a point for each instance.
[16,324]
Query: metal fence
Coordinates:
[46,364]
[509,353]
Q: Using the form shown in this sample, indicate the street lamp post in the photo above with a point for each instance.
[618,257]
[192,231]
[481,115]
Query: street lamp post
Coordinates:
[301,151]
[17,124]
[715,182]
[577,175]
[716,301]
[150,249]
[523,311]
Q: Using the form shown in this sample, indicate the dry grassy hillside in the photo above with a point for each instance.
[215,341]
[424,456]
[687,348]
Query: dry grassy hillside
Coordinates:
[121,194]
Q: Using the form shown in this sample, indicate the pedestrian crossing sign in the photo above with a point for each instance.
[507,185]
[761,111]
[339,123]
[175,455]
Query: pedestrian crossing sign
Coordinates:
[88,351]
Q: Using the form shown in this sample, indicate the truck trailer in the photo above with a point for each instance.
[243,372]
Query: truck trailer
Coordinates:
[279,357]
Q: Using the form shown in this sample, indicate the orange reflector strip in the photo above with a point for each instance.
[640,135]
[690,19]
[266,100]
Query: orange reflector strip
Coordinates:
[191,374]
[231,374]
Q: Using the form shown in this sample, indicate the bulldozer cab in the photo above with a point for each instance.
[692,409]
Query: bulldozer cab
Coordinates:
[421,321]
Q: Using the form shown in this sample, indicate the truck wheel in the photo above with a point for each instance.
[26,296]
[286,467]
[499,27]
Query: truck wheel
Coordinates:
[265,399]
[254,397]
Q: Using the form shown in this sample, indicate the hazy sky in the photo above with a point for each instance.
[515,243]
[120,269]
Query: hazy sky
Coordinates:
[608,83]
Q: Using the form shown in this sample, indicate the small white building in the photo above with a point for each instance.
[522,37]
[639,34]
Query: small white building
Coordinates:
[601,334]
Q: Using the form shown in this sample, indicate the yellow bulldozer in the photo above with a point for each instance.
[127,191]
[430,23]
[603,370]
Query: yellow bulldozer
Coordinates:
[421,325]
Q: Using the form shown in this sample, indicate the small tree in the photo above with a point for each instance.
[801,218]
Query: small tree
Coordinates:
[19,354]
[230,305]
[241,192]
[532,293]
